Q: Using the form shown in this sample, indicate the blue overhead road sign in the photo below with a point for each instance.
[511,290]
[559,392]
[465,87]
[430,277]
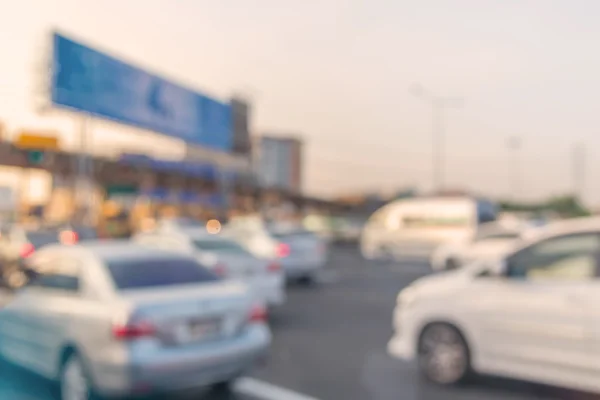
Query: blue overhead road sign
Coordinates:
[86,80]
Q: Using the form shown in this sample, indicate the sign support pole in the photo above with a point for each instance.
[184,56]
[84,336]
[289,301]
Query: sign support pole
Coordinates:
[84,188]
[224,189]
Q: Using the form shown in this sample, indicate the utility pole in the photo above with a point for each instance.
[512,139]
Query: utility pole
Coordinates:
[438,137]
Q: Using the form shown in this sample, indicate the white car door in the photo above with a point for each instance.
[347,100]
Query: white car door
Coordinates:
[35,321]
[589,296]
[53,297]
[18,327]
[531,323]
[17,332]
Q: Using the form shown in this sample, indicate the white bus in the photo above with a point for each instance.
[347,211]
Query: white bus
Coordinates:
[413,228]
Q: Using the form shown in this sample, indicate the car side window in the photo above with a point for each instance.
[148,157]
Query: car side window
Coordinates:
[56,274]
[568,257]
[56,281]
[167,243]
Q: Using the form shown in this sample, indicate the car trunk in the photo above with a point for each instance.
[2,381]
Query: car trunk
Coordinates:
[300,246]
[241,266]
[190,314]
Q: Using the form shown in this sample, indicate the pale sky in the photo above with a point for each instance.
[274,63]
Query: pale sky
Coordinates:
[338,71]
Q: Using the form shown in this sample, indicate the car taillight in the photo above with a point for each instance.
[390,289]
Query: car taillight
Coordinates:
[257,314]
[132,331]
[69,237]
[220,270]
[27,250]
[274,267]
[283,250]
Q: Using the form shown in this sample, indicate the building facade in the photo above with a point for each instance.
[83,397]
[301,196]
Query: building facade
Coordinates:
[279,162]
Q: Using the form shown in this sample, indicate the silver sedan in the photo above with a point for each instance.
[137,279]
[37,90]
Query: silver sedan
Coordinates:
[119,319]
[302,254]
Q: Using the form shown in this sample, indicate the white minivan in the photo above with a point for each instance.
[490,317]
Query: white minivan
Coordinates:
[531,314]
[415,227]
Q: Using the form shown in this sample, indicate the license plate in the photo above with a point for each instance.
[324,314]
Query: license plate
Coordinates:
[195,331]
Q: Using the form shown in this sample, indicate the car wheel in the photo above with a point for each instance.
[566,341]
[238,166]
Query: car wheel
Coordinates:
[225,387]
[307,280]
[452,264]
[15,278]
[443,354]
[74,382]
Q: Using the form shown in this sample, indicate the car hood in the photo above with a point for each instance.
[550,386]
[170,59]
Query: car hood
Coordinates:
[442,282]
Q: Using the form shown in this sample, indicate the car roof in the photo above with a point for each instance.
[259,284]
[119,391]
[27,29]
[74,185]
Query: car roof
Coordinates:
[201,233]
[566,227]
[110,250]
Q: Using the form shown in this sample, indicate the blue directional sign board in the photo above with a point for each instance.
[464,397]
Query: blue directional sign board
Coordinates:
[86,80]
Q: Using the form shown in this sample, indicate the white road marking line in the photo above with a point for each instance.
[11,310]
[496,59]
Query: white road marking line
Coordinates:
[266,391]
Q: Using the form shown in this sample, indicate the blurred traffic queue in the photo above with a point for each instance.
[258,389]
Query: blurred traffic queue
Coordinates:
[183,303]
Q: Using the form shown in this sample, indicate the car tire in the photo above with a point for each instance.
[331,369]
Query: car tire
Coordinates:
[443,354]
[14,278]
[307,280]
[74,382]
[224,387]
[452,264]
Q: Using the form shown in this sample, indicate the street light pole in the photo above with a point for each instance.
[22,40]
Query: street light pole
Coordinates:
[438,137]
[579,164]
[438,104]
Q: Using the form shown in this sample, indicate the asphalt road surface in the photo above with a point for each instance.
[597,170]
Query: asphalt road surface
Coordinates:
[330,341]
[329,344]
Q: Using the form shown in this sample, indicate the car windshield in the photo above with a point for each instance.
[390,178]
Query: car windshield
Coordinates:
[85,233]
[498,235]
[42,238]
[295,234]
[149,273]
[220,246]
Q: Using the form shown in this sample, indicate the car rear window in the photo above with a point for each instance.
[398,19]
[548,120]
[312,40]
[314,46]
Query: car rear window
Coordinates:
[225,246]
[85,233]
[42,238]
[293,234]
[148,273]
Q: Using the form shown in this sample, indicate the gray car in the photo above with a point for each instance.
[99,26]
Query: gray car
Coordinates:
[302,253]
[224,256]
[120,319]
